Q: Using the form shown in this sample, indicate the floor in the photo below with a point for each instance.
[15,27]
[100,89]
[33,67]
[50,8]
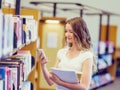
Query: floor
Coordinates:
[112,86]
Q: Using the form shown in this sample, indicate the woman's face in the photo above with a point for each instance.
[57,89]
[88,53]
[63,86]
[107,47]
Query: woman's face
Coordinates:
[69,34]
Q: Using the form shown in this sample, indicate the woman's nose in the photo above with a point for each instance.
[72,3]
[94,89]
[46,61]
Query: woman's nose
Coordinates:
[68,33]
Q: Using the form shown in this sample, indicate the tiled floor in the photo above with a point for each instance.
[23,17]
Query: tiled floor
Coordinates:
[113,86]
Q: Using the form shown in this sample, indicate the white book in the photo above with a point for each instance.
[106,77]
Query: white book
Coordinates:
[5,34]
[26,85]
[31,27]
[10,37]
[1,85]
[1,30]
[65,75]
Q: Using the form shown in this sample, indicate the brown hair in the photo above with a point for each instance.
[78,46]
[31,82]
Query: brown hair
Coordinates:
[82,35]
[81,32]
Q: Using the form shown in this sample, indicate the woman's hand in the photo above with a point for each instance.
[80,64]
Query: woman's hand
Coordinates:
[55,78]
[71,86]
[43,59]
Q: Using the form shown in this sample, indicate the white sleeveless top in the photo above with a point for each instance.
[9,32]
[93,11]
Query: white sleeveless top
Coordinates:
[74,63]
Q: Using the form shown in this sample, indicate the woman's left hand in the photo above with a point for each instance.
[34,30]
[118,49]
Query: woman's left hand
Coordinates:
[55,78]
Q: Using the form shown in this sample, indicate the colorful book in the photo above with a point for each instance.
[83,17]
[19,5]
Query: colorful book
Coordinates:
[27,66]
[27,62]
[16,67]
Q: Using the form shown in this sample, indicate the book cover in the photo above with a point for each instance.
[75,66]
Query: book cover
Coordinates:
[65,75]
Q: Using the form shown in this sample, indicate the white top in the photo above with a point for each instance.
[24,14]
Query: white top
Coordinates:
[74,63]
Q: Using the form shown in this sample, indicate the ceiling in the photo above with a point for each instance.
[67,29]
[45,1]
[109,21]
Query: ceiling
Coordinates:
[74,6]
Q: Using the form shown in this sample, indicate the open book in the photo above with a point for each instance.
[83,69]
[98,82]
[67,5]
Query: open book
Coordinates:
[65,75]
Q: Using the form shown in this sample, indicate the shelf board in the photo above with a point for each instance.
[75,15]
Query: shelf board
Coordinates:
[109,82]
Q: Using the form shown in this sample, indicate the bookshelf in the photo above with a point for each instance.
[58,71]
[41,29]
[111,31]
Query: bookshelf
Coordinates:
[107,73]
[112,37]
[32,45]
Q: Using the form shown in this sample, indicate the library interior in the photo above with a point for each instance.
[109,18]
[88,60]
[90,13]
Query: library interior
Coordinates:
[29,25]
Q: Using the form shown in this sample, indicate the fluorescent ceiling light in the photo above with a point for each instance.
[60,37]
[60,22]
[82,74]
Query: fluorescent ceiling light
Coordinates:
[52,21]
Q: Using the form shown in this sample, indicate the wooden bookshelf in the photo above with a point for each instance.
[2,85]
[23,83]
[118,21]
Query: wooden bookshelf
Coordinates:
[112,37]
[32,46]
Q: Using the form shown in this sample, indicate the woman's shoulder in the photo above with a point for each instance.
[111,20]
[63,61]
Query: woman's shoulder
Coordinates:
[87,53]
[61,52]
[63,49]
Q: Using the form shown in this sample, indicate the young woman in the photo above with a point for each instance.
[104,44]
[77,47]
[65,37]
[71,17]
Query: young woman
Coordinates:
[77,55]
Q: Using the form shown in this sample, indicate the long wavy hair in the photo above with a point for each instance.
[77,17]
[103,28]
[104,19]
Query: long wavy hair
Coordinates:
[82,35]
[81,32]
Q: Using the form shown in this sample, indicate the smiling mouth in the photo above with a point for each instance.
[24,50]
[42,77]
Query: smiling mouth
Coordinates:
[69,38]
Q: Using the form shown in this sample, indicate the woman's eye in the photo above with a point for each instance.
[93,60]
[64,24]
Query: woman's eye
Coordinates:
[68,31]
[65,30]
[71,31]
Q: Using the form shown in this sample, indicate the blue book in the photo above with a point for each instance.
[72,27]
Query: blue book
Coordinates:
[2,73]
[2,78]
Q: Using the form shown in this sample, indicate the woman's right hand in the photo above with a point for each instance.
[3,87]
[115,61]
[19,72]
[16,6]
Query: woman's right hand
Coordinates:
[43,59]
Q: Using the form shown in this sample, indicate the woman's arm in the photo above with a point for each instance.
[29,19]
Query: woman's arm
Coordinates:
[85,78]
[43,62]
[46,73]
[71,86]
[87,72]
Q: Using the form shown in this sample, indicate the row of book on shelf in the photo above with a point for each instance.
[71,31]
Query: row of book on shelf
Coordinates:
[100,80]
[16,31]
[104,61]
[14,71]
[104,50]
[103,47]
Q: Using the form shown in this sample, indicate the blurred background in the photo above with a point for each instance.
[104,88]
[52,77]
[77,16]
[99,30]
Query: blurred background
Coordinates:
[101,16]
